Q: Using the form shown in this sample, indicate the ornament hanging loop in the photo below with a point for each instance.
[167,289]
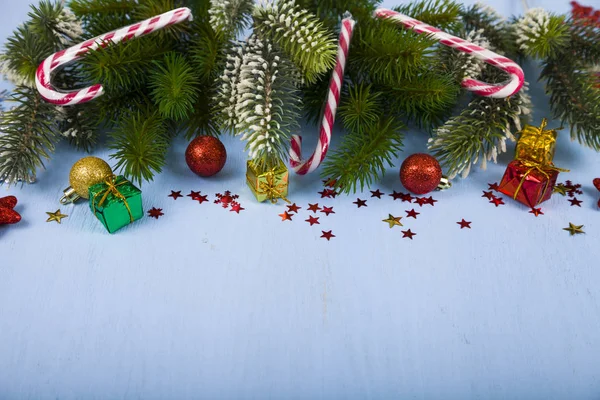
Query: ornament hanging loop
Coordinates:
[499,91]
[43,76]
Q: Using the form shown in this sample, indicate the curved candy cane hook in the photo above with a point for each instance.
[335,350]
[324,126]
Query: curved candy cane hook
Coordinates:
[43,76]
[303,167]
[502,90]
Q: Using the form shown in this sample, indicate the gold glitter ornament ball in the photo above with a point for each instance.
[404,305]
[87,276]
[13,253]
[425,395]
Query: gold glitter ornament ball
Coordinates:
[87,172]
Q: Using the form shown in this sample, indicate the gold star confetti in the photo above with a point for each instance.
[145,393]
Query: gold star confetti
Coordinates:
[574,229]
[56,216]
[561,189]
[393,221]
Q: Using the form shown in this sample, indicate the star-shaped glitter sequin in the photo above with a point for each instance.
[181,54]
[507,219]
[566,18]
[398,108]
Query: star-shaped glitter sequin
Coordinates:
[155,213]
[497,201]
[194,195]
[328,210]
[202,198]
[327,193]
[327,235]
[408,234]
[421,201]
[392,221]
[536,211]
[574,229]
[406,197]
[411,214]
[314,207]
[396,195]
[330,182]
[360,203]
[293,208]
[175,195]
[56,216]
[377,193]
[464,224]
[431,201]
[493,186]
[313,220]
[488,195]
[286,216]
[236,207]
[575,202]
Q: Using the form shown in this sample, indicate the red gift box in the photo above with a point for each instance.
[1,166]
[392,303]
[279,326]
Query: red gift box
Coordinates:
[528,183]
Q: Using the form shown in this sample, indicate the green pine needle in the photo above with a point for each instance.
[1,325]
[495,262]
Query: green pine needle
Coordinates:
[442,14]
[363,109]
[540,34]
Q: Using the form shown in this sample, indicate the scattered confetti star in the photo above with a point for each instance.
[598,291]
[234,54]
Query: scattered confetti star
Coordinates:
[226,198]
[464,224]
[327,235]
[175,195]
[497,201]
[155,213]
[560,189]
[330,182]
[236,207]
[412,213]
[421,201]
[406,197]
[286,216]
[408,234]
[431,201]
[314,207]
[360,203]
[325,193]
[493,186]
[328,210]
[377,193]
[56,216]
[202,199]
[313,220]
[293,208]
[396,195]
[488,195]
[194,195]
[575,202]
[334,194]
[536,211]
[393,221]
[574,229]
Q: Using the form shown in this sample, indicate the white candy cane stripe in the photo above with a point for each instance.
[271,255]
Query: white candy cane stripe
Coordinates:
[335,87]
[43,77]
[502,90]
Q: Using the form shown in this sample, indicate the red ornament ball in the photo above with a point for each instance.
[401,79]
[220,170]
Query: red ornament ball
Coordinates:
[420,173]
[7,214]
[206,156]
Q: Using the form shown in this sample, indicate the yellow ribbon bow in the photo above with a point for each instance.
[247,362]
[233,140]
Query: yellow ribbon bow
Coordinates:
[111,188]
[536,166]
[272,190]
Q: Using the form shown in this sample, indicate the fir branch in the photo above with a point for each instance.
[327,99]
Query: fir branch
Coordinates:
[363,109]
[173,83]
[208,53]
[79,125]
[24,52]
[55,24]
[227,96]
[27,136]
[204,118]
[332,11]
[230,17]
[267,104]
[585,42]
[101,16]
[299,34]
[140,145]
[442,14]
[314,97]
[462,65]
[362,158]
[495,28]
[540,34]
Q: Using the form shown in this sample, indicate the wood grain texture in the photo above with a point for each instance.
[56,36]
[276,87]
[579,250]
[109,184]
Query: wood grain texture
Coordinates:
[204,303]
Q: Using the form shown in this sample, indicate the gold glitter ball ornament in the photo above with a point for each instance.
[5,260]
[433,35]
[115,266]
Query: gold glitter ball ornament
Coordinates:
[86,172]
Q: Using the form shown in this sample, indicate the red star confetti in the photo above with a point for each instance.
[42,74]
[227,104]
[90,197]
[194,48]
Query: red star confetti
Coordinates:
[431,201]
[327,235]
[493,186]
[328,210]
[464,224]
[202,199]
[293,208]
[326,193]
[334,194]
[225,199]
[488,195]
[175,195]
[596,183]
[421,201]
[575,202]
[408,234]
[396,195]
[412,213]
[155,213]
[360,203]
[377,193]
[406,197]
[236,207]
[314,207]
[497,201]
[330,182]
[194,195]
[313,220]
[286,216]
[536,211]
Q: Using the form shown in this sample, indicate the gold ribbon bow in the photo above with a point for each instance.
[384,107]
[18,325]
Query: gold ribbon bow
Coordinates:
[536,166]
[272,190]
[111,188]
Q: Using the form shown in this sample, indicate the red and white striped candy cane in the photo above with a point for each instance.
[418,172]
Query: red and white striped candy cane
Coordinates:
[333,98]
[43,77]
[502,90]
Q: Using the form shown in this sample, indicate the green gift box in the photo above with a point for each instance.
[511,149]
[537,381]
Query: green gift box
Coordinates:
[116,203]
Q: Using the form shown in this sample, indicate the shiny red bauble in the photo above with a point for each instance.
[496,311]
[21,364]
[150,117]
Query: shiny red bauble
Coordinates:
[7,214]
[206,156]
[420,173]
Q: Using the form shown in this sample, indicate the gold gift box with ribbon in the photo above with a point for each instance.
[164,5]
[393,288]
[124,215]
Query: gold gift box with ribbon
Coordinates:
[271,184]
[537,144]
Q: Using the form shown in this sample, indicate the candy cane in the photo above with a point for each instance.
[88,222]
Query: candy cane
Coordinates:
[43,77]
[335,87]
[502,90]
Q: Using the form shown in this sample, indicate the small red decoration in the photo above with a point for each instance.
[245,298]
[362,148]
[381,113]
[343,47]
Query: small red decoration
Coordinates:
[397,195]
[493,186]
[327,235]
[406,197]
[7,213]
[488,195]
[226,199]
[314,207]
[526,185]
[431,201]
[206,156]
[536,211]
[155,213]
[421,201]
[326,193]
[575,202]
[175,195]
[420,173]
[411,213]
[236,207]
[286,216]
[313,220]
[408,234]
[464,224]
[597,185]
[330,182]
[376,193]
[497,201]
[194,195]
[293,208]
[202,199]
[328,210]
[360,203]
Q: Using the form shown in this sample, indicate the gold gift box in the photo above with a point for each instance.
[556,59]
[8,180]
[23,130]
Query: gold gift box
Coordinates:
[268,185]
[537,144]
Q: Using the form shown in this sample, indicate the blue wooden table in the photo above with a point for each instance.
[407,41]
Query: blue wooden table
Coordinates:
[206,303]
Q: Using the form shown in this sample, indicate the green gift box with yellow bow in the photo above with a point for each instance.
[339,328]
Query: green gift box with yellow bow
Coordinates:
[268,183]
[116,202]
